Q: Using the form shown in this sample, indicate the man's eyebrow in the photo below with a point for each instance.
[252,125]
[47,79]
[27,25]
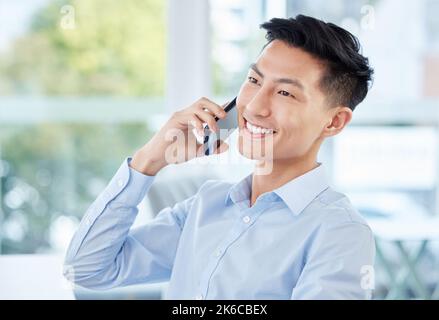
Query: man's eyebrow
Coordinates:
[294,82]
[254,67]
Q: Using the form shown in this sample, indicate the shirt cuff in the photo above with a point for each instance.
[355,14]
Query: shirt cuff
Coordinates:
[130,186]
[127,187]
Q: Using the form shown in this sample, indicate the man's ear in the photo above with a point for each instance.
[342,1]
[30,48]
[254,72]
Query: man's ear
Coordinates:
[339,118]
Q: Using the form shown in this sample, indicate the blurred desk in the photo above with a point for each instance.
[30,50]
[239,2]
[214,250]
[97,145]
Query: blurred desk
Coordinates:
[33,276]
[403,234]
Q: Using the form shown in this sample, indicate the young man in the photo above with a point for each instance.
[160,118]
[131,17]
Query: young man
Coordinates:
[284,234]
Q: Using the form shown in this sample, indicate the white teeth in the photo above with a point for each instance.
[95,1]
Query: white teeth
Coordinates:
[257,130]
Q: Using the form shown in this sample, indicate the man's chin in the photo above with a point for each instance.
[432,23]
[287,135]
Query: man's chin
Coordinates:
[263,164]
[256,155]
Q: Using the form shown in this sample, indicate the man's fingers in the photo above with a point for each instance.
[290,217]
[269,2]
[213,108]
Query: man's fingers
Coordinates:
[208,118]
[197,123]
[212,107]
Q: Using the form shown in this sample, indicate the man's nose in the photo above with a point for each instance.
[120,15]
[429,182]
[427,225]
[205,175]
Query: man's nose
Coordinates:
[259,105]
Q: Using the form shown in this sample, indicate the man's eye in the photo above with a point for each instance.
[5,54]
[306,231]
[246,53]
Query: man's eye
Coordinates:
[286,93]
[252,80]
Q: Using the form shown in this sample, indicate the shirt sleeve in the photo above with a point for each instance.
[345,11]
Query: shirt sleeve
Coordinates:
[104,253]
[339,264]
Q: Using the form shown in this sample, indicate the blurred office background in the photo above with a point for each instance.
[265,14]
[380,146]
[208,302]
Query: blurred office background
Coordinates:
[84,83]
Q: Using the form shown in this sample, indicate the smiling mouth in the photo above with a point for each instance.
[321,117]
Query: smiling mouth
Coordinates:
[257,131]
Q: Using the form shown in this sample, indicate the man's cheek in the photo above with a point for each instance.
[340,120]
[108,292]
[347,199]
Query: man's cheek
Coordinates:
[245,95]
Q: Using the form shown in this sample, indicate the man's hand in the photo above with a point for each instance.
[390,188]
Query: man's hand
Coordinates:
[175,142]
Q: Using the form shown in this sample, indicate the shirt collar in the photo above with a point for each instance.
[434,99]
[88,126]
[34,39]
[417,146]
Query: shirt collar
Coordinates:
[240,191]
[301,191]
[297,194]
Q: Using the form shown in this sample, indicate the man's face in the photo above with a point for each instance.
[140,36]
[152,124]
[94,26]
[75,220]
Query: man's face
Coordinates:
[281,93]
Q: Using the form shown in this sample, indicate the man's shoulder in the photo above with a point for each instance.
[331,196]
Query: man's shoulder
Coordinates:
[213,191]
[215,184]
[335,208]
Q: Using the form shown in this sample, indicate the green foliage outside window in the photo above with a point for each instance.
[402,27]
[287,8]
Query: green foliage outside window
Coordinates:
[50,170]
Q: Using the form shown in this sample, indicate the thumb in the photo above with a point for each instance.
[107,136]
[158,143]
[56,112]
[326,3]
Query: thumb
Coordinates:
[221,147]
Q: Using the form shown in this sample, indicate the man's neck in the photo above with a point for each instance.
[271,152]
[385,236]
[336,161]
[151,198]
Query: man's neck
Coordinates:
[267,177]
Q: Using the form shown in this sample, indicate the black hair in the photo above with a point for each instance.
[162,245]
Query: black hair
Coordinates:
[348,74]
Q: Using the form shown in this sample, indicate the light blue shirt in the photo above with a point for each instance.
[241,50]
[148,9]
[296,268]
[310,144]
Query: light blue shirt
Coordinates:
[300,241]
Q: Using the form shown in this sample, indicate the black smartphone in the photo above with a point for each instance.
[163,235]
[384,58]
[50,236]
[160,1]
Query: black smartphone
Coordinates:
[230,122]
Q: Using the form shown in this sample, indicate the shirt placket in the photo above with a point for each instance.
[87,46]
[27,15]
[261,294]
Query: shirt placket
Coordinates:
[245,220]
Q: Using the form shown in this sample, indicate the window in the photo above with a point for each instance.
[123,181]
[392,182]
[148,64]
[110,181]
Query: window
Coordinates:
[79,86]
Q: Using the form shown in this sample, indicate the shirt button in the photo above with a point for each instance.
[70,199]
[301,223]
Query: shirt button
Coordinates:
[87,222]
[199,297]
[218,252]
[246,219]
[120,182]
